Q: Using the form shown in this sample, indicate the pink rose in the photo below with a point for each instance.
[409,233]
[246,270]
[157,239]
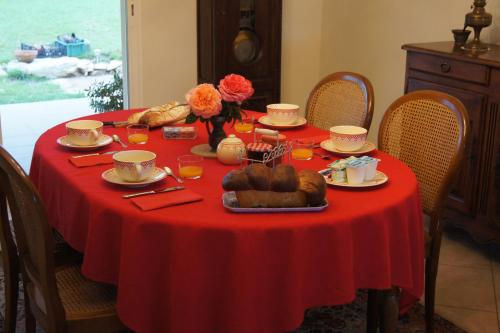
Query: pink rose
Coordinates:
[235,88]
[205,101]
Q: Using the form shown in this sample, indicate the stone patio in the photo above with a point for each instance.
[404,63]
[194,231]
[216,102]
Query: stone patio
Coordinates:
[22,124]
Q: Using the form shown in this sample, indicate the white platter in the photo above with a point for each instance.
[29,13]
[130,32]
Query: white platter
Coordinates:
[266,121]
[380,178]
[230,202]
[329,146]
[103,141]
[112,177]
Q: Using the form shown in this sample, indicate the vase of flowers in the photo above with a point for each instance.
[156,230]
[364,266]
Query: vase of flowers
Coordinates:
[215,107]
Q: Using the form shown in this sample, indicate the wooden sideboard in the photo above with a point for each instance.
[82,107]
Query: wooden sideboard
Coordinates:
[474,202]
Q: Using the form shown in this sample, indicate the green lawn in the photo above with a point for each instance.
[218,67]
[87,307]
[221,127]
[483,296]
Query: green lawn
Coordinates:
[34,90]
[40,21]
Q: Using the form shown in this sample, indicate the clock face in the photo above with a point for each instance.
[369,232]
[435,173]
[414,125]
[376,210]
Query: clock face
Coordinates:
[246,47]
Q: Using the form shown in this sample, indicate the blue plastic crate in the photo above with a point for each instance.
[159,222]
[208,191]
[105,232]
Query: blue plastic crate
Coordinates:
[75,49]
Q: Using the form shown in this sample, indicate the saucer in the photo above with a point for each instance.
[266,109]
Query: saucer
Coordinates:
[103,140]
[367,147]
[266,121]
[379,179]
[111,176]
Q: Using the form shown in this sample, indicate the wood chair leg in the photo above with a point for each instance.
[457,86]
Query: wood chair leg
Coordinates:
[430,293]
[30,323]
[11,296]
[389,311]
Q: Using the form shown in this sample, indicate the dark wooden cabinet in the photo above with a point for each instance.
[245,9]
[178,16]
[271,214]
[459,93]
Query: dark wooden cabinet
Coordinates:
[243,37]
[474,201]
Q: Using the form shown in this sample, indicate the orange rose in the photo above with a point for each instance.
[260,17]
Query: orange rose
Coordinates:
[205,101]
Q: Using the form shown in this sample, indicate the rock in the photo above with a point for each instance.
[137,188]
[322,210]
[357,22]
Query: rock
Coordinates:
[101,66]
[113,65]
[54,67]
[85,66]
[16,66]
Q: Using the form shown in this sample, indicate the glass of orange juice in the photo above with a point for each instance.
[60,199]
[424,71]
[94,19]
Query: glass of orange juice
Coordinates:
[138,133]
[190,166]
[302,150]
[244,126]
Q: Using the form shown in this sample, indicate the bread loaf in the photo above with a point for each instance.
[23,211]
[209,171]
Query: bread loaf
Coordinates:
[157,116]
[260,186]
[270,199]
[259,176]
[313,185]
[285,179]
[236,180]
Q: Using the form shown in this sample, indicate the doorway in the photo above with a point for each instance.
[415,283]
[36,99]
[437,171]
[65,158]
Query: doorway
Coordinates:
[73,46]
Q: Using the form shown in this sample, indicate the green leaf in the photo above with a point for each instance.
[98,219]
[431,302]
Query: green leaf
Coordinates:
[191,118]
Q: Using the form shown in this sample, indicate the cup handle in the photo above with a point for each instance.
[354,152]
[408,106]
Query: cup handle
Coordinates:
[139,169]
[94,134]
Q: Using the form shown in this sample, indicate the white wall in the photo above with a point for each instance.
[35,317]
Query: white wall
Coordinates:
[318,37]
[366,37]
[163,50]
[301,49]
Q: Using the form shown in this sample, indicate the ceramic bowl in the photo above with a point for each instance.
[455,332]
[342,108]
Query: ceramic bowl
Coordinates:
[134,165]
[283,114]
[348,138]
[84,132]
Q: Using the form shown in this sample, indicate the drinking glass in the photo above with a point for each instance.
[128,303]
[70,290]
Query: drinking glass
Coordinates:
[138,133]
[302,150]
[246,125]
[190,166]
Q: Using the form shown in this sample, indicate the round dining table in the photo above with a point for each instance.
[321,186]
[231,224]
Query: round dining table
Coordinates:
[199,267]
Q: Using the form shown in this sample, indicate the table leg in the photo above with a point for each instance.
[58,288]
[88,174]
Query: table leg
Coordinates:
[389,311]
[372,309]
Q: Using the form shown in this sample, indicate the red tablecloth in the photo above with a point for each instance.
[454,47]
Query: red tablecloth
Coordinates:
[199,268]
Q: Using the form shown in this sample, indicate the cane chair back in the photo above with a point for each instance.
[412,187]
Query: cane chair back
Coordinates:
[62,301]
[427,130]
[341,98]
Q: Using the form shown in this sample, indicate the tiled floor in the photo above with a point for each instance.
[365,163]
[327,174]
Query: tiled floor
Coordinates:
[22,124]
[468,286]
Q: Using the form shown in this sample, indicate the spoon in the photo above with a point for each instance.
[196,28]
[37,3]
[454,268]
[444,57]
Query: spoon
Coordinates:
[117,139]
[324,157]
[170,173]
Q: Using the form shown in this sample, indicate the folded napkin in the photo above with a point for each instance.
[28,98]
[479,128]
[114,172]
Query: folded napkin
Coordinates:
[86,161]
[315,139]
[155,201]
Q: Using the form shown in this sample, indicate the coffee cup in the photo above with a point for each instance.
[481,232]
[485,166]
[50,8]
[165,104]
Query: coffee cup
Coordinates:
[134,165]
[283,114]
[348,138]
[84,132]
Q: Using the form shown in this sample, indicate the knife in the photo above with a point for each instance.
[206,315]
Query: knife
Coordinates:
[115,123]
[168,189]
[96,154]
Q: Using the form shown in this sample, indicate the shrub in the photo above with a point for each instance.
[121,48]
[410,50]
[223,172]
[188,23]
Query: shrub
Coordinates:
[106,96]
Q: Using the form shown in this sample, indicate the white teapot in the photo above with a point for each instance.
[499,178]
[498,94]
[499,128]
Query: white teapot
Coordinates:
[231,150]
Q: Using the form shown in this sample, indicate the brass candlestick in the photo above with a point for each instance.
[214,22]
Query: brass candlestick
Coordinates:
[477,20]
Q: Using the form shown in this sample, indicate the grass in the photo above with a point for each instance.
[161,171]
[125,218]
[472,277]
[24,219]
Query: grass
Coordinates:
[41,21]
[31,90]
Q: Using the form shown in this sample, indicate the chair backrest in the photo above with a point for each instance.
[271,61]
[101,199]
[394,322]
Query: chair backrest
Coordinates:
[342,98]
[427,130]
[34,241]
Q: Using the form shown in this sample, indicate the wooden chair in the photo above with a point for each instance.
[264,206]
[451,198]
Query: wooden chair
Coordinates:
[61,300]
[427,130]
[341,98]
